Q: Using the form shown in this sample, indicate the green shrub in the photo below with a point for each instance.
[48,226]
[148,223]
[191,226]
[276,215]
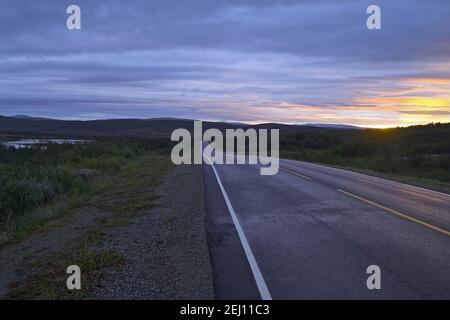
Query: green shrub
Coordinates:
[31,178]
[20,195]
[105,164]
[418,151]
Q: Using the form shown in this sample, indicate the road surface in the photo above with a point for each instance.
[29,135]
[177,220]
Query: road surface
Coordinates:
[311,232]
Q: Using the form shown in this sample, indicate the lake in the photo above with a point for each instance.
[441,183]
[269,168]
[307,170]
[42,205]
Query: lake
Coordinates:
[27,143]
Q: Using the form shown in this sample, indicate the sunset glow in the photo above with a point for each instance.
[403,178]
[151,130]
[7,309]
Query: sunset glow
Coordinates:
[256,62]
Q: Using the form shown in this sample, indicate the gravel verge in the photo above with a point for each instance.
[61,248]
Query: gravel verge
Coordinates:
[165,247]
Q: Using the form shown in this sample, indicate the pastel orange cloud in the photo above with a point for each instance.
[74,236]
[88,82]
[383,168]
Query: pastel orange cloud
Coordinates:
[439,81]
[436,101]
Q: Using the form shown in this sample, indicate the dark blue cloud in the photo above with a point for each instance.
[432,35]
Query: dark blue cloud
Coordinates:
[221,60]
[412,29]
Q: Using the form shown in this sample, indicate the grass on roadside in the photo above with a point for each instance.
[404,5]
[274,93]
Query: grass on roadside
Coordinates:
[124,194]
[50,282]
[39,185]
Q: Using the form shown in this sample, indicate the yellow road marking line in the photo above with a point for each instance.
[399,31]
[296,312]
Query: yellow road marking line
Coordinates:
[296,173]
[405,216]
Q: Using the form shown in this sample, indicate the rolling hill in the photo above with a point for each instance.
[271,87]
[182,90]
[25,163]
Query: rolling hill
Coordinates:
[132,128]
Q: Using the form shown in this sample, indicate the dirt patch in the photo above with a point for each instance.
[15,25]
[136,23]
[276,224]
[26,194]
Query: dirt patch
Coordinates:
[14,260]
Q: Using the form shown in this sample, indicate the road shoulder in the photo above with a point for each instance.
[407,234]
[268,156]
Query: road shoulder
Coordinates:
[165,249]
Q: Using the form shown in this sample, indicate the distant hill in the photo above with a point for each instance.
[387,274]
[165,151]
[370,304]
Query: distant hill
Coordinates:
[139,128]
[96,128]
[333,125]
[19,116]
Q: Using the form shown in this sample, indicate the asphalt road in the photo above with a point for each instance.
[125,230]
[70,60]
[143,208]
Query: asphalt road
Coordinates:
[313,230]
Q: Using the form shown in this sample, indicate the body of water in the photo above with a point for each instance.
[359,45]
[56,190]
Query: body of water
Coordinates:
[27,143]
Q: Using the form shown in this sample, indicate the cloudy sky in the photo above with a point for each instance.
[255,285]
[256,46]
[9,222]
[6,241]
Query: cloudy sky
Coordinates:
[291,61]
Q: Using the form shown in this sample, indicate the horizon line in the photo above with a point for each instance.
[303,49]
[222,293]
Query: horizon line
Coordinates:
[251,123]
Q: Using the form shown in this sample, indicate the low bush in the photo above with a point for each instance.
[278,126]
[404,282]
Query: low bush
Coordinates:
[32,178]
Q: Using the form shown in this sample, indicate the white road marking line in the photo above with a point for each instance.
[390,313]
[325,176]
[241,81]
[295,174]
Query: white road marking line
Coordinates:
[259,279]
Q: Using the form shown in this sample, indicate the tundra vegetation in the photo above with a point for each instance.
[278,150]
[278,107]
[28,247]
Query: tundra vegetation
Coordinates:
[39,184]
[87,190]
[417,152]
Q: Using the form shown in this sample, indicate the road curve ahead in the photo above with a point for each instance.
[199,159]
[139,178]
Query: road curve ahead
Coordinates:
[311,232]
